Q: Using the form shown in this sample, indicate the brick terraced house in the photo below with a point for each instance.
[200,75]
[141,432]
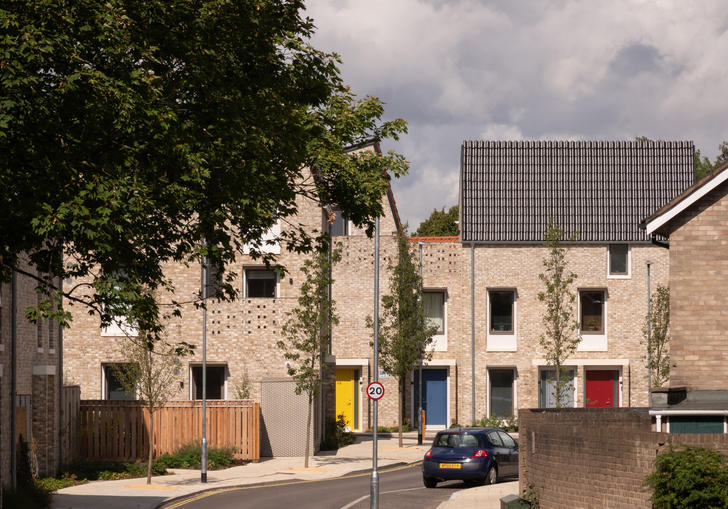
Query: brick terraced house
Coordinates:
[242,335]
[696,223]
[480,288]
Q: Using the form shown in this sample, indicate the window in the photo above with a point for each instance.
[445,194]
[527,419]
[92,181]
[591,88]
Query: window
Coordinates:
[260,283]
[507,440]
[215,382]
[618,260]
[547,389]
[501,311]
[113,388]
[51,339]
[591,304]
[434,304]
[501,392]
[340,226]
[38,326]
[120,324]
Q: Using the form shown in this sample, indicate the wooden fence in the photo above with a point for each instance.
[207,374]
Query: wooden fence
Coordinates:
[117,430]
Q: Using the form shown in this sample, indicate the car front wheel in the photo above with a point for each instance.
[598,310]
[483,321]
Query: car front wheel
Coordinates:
[429,482]
[492,476]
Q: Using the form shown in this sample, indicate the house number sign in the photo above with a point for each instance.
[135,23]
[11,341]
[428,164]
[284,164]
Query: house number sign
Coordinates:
[375,391]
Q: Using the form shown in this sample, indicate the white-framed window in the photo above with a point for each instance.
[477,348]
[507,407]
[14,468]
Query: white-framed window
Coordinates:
[619,261]
[547,388]
[120,324]
[592,310]
[260,282]
[501,392]
[112,386]
[502,320]
[269,241]
[434,303]
[340,227]
[216,382]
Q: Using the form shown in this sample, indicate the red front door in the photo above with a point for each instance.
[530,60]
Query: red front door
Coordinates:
[601,388]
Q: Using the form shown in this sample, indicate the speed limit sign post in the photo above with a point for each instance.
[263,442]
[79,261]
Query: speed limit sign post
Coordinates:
[375,391]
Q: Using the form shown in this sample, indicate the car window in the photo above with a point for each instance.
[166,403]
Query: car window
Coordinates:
[507,440]
[456,440]
[441,440]
[495,439]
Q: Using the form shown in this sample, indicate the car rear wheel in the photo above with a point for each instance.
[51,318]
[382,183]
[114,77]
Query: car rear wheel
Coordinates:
[492,476]
[429,482]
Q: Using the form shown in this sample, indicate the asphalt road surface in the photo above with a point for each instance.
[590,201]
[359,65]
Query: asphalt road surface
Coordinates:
[399,487]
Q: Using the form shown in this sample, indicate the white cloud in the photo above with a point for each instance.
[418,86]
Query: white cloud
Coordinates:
[558,69]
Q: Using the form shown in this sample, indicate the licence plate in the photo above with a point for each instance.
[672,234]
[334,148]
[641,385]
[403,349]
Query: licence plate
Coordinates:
[449,465]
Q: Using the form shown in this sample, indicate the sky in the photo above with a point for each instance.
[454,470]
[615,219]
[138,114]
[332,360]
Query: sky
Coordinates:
[528,70]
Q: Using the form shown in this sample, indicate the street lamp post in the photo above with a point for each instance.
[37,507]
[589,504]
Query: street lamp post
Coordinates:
[203,459]
[421,434]
[374,488]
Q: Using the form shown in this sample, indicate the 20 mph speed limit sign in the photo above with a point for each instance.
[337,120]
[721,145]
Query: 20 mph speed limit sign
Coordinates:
[375,391]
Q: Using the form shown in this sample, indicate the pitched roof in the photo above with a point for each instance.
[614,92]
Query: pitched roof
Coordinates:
[602,190]
[659,221]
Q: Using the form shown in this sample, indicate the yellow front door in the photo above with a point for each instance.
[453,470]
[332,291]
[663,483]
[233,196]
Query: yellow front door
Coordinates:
[346,394]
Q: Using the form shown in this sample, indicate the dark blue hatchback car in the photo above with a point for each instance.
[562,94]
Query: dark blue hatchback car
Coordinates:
[471,455]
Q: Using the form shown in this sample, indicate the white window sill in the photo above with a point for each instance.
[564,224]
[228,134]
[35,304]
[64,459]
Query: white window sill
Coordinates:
[619,276]
[593,343]
[439,343]
[501,343]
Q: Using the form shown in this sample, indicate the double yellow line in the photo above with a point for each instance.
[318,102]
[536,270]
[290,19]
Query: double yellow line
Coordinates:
[290,483]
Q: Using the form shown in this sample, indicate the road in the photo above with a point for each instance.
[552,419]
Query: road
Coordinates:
[399,487]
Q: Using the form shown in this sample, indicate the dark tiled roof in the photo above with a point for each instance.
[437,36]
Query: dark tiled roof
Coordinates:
[509,190]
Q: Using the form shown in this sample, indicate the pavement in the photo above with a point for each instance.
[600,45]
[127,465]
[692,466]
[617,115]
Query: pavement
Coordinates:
[136,494]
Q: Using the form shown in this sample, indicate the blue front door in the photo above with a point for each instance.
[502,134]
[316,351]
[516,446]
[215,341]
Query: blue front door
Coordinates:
[434,396]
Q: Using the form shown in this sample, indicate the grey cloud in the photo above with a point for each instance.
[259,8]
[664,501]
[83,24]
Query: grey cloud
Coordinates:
[636,58]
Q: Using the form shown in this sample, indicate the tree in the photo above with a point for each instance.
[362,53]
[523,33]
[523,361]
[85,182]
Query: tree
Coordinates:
[560,337]
[658,357]
[404,332]
[150,374]
[440,223]
[137,133]
[307,333]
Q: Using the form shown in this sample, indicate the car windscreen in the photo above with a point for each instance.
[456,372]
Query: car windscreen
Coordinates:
[456,440]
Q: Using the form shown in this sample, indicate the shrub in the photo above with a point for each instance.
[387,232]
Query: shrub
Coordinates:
[110,470]
[336,434]
[509,424]
[689,478]
[190,456]
[51,484]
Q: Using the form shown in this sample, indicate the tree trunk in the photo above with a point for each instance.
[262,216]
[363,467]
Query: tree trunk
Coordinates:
[308,429]
[399,410]
[151,446]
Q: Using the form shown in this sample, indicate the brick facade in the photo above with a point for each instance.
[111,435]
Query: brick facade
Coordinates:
[242,334]
[36,370]
[595,458]
[698,304]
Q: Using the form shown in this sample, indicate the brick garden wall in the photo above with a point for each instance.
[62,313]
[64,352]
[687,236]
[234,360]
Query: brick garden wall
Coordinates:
[596,457]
